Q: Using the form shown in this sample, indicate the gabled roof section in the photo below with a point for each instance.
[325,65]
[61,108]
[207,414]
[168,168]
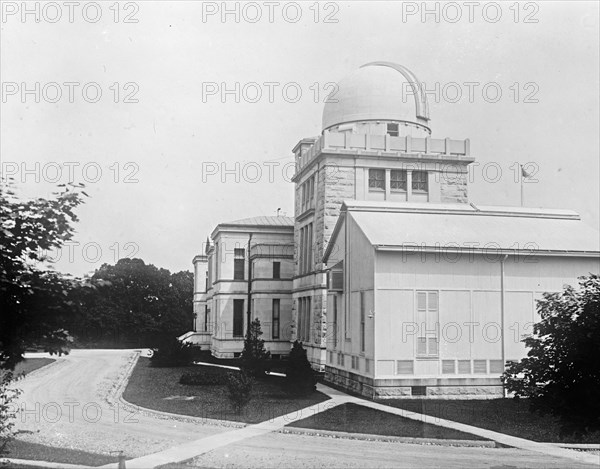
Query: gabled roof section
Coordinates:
[262,221]
[282,225]
[398,226]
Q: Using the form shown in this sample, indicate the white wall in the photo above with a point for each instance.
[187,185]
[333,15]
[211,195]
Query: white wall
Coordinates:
[469,304]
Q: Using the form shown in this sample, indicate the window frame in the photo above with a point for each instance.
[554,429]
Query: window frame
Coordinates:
[417,185]
[372,178]
[404,181]
[276,319]
[362,322]
[239,258]
[426,332]
[392,133]
[238,319]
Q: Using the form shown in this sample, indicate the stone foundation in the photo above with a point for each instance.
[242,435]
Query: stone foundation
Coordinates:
[422,388]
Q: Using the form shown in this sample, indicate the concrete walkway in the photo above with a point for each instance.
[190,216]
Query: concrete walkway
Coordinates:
[202,446]
[521,443]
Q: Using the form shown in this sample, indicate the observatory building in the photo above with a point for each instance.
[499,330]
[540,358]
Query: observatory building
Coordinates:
[397,284]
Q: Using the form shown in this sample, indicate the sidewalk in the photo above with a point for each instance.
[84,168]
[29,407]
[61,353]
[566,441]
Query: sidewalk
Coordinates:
[202,446]
[199,447]
[516,442]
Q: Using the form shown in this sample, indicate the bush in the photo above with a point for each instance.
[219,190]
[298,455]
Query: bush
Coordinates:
[255,355]
[300,378]
[206,377]
[7,415]
[240,386]
[561,374]
[171,352]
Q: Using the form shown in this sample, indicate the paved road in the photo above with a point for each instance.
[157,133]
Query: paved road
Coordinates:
[298,451]
[66,407]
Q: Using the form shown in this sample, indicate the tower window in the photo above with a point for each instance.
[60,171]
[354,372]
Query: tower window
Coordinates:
[398,180]
[419,181]
[393,130]
[276,269]
[377,179]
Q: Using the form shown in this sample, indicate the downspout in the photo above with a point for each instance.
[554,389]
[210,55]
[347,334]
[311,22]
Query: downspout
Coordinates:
[502,303]
[249,310]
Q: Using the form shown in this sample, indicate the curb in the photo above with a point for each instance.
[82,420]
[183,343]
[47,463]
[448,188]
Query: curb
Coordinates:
[44,464]
[115,397]
[388,439]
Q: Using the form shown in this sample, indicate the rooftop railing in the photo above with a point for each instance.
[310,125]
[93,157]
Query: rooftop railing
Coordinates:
[345,142]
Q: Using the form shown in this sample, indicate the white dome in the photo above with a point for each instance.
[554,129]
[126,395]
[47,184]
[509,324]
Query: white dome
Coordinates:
[378,91]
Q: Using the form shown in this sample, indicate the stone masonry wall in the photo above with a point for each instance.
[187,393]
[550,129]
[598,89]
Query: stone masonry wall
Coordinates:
[453,188]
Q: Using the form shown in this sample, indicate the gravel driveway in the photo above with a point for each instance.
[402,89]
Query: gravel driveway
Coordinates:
[65,405]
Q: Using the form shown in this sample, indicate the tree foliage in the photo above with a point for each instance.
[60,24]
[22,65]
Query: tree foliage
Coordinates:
[239,385]
[300,378]
[561,373]
[34,300]
[133,303]
[255,355]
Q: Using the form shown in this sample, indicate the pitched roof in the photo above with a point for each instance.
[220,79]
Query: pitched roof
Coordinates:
[262,221]
[461,226]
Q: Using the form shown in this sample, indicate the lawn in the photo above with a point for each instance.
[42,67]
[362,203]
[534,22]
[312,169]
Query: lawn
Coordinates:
[18,449]
[507,416]
[354,418]
[159,389]
[207,357]
[30,364]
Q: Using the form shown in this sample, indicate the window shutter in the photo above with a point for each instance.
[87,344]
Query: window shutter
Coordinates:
[480,366]
[405,367]
[464,367]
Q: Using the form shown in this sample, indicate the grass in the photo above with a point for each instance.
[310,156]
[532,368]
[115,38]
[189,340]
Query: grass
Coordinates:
[148,387]
[19,449]
[207,357]
[507,416]
[30,364]
[354,418]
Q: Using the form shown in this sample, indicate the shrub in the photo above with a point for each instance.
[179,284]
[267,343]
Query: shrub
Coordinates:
[7,415]
[300,378]
[255,355]
[171,352]
[561,374]
[206,377]
[240,386]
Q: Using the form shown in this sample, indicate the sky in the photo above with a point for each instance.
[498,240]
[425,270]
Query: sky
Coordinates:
[179,115]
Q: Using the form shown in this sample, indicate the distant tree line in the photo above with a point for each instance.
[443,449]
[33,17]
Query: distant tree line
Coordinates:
[131,304]
[123,305]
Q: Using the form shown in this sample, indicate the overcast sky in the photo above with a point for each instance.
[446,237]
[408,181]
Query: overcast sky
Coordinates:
[156,189]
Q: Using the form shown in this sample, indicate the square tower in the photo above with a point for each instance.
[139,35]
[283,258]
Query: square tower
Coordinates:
[375,146]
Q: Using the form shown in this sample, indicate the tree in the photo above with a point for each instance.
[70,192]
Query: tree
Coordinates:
[133,303]
[239,385]
[255,354]
[300,378]
[561,373]
[33,299]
